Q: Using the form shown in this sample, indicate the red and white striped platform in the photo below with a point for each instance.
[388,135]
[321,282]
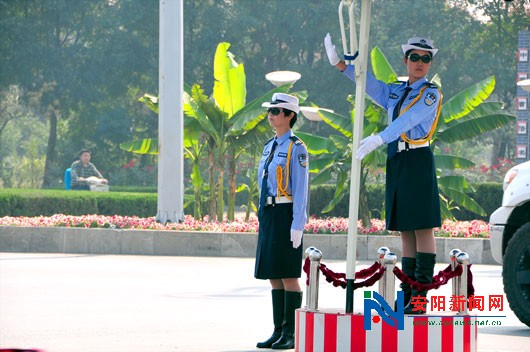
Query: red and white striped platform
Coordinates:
[330,330]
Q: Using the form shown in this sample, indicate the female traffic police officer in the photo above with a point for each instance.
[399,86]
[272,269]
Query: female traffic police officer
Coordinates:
[283,176]
[412,200]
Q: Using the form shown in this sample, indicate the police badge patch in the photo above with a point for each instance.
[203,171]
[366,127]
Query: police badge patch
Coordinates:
[302,160]
[430,99]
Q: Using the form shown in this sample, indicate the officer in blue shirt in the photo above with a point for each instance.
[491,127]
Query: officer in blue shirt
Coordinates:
[283,178]
[412,200]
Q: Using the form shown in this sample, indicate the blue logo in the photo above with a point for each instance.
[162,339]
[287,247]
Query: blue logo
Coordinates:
[395,319]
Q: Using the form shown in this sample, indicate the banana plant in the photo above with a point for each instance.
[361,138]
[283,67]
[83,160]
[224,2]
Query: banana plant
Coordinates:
[251,187]
[223,122]
[464,116]
[193,151]
[334,155]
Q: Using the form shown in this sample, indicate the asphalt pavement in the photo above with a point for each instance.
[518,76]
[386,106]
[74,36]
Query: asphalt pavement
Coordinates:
[115,303]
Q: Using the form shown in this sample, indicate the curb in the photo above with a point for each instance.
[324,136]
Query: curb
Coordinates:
[209,244]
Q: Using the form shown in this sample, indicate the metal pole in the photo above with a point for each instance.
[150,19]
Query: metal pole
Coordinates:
[342,27]
[388,278]
[381,251]
[170,116]
[353,32]
[362,62]
[454,281]
[463,259]
[308,287]
[315,257]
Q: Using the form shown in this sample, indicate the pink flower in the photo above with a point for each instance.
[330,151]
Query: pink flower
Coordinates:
[475,228]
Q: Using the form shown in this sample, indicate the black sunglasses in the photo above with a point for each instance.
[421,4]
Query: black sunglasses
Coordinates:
[274,111]
[415,58]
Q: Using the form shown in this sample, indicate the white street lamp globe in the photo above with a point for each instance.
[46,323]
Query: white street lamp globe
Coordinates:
[279,78]
[311,112]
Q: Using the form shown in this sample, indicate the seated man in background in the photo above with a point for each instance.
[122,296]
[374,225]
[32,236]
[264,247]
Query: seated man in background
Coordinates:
[84,172]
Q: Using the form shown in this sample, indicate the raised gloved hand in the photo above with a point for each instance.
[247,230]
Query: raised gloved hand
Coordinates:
[331,51]
[367,145]
[296,238]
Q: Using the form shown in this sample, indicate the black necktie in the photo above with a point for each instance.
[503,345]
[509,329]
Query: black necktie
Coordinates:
[392,146]
[263,195]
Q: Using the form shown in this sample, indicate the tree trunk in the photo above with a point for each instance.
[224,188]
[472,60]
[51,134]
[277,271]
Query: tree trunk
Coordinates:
[197,212]
[231,202]
[50,152]
[220,189]
[211,171]
[363,206]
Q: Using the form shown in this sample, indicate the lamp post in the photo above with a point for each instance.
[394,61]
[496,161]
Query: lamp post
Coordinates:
[171,115]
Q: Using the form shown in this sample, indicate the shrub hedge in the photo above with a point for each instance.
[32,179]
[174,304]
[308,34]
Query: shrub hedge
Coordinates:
[25,202]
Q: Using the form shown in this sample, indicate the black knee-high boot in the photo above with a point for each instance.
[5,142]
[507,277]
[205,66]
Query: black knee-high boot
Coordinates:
[293,301]
[278,302]
[424,271]
[408,266]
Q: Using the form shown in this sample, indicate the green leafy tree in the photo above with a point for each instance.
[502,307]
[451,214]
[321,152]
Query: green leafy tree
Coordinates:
[250,171]
[82,59]
[224,122]
[500,35]
[194,151]
[96,58]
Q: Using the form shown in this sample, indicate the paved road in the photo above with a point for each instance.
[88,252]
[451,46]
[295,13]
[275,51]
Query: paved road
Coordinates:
[111,303]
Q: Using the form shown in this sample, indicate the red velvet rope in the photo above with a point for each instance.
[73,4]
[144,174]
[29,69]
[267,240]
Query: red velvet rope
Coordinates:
[334,278]
[470,288]
[370,281]
[339,279]
[441,279]
[375,272]
[307,265]
[363,274]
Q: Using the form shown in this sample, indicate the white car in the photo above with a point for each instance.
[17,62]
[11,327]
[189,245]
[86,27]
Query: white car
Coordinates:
[510,239]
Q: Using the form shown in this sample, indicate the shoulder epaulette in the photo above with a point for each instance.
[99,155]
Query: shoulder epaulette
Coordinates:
[295,140]
[431,85]
[399,83]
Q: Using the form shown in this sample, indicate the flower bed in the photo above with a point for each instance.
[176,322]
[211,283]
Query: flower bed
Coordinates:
[449,228]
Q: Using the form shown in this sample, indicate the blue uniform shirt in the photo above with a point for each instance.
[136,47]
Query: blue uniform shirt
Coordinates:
[298,176]
[415,122]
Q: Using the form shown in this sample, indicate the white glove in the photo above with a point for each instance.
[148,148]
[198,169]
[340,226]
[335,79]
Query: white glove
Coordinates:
[296,238]
[331,51]
[367,145]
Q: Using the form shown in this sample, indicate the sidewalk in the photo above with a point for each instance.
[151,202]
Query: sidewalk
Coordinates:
[115,303]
